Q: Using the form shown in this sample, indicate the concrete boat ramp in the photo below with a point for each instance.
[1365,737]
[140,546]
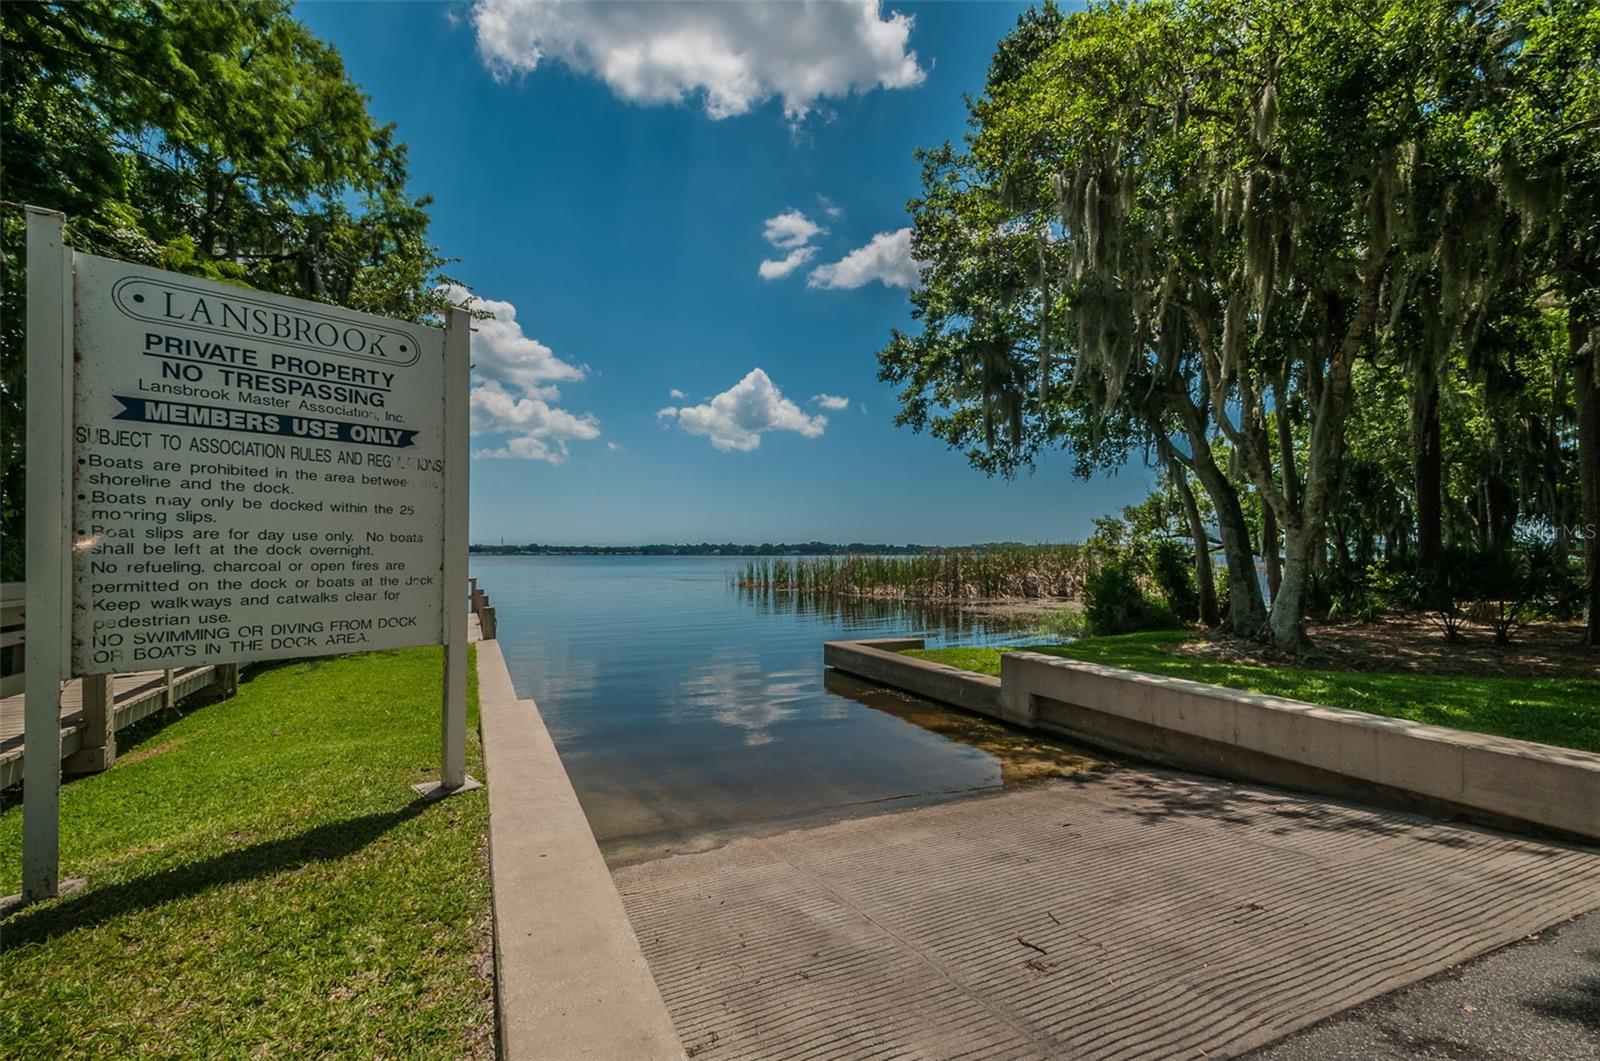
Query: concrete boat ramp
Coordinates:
[1136,913]
[1128,912]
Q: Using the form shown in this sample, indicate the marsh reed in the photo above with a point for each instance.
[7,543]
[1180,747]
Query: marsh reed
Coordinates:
[1003,573]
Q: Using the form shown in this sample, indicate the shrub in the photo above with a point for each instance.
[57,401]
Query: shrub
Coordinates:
[1171,567]
[1366,595]
[1452,585]
[1500,588]
[1508,587]
[1114,602]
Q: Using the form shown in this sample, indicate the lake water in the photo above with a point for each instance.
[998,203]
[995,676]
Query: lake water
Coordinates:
[686,709]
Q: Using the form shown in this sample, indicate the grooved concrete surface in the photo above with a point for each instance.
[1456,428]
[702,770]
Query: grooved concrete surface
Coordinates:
[1137,914]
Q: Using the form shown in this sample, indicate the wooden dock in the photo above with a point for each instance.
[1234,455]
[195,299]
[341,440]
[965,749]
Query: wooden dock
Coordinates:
[137,695]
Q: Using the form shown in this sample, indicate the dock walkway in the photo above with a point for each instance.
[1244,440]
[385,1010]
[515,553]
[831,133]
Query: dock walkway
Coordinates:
[137,695]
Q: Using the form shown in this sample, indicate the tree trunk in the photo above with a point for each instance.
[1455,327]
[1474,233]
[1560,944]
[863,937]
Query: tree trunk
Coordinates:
[1500,512]
[1247,612]
[1427,469]
[1303,523]
[1287,619]
[1286,474]
[1269,550]
[1586,396]
[1205,580]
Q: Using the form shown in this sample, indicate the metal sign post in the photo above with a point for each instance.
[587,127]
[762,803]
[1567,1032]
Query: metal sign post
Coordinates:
[453,738]
[48,644]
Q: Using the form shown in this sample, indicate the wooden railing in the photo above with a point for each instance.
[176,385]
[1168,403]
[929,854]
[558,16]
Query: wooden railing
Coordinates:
[12,601]
[482,609]
[90,744]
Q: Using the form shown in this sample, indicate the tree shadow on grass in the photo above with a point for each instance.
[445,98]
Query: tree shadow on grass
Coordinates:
[94,906]
[129,738]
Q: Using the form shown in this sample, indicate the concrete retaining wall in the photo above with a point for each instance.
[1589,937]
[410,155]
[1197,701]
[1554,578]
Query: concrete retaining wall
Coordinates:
[879,660]
[570,979]
[1264,738]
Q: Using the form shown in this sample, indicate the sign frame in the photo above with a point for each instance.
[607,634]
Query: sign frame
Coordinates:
[51,416]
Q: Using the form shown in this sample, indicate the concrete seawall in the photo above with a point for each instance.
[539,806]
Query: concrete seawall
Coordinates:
[1249,736]
[570,979]
[879,660]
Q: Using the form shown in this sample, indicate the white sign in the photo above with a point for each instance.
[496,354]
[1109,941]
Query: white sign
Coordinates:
[218,475]
[254,476]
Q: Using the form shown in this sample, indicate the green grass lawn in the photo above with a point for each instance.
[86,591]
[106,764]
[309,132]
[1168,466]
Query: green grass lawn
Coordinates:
[260,882]
[1562,711]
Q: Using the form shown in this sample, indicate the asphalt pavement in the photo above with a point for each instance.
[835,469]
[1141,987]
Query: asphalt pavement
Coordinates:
[1532,1000]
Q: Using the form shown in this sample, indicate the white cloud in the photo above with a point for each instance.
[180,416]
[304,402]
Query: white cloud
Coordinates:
[776,268]
[677,394]
[615,447]
[527,448]
[831,402]
[514,380]
[501,351]
[540,430]
[789,229]
[829,207]
[736,419]
[734,56]
[886,258]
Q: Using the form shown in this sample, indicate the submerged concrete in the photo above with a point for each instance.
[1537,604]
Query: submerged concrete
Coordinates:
[570,981]
[1137,914]
[879,659]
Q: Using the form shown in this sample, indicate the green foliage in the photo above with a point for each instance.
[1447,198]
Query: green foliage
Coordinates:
[1171,568]
[1502,588]
[217,138]
[1365,595]
[1115,603]
[1140,545]
[1508,587]
[1262,236]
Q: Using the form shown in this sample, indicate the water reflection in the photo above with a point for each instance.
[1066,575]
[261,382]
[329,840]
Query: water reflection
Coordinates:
[686,709]
[738,693]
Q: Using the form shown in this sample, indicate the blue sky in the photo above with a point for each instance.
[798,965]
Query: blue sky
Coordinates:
[612,178]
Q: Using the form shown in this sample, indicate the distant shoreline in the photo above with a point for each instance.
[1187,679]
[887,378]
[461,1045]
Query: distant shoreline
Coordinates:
[734,549]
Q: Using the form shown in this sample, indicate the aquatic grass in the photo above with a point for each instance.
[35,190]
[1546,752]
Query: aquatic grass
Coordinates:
[1065,624]
[1000,573]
